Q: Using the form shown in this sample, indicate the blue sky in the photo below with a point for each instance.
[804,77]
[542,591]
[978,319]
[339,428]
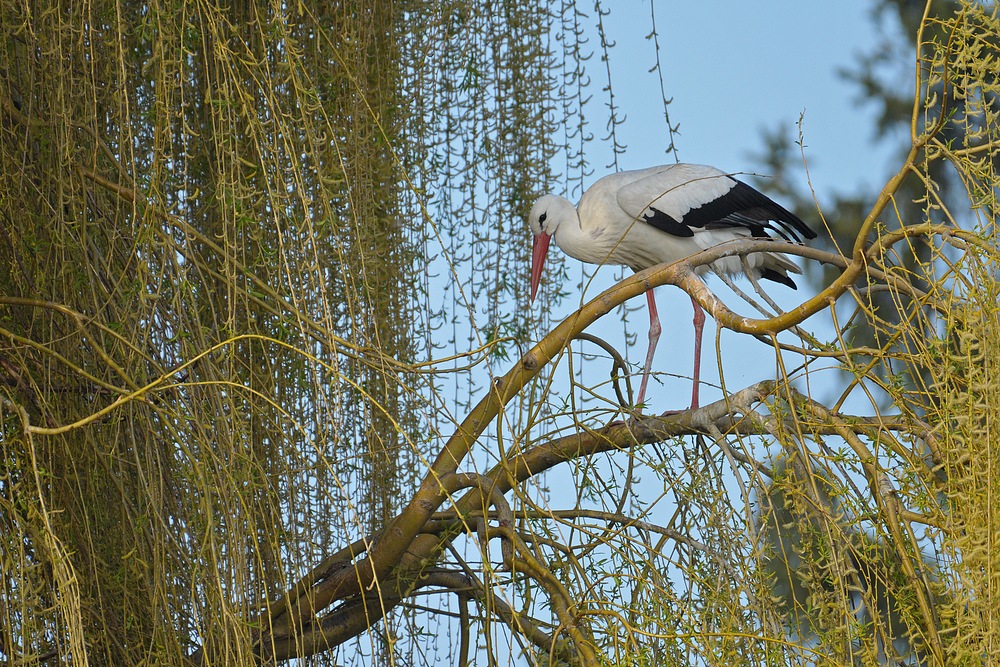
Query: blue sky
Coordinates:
[732,70]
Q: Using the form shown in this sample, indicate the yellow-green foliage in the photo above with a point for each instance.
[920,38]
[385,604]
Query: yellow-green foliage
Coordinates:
[225,437]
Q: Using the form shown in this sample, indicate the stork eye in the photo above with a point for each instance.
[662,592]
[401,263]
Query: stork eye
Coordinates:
[542,217]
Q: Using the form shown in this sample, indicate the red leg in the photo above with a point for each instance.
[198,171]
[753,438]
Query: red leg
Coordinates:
[654,335]
[699,326]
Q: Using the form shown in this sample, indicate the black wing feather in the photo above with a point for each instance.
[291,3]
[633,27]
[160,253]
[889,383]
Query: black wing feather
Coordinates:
[666,223]
[742,206]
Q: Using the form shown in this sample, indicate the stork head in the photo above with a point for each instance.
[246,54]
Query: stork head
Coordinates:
[545,216]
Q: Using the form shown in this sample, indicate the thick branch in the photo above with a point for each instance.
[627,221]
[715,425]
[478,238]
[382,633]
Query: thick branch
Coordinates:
[401,544]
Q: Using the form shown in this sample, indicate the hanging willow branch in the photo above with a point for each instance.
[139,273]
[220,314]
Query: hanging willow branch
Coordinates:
[258,260]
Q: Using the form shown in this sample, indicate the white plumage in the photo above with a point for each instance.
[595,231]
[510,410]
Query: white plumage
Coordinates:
[661,215]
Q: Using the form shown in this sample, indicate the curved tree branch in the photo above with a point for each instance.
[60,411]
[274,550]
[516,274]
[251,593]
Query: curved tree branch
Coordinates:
[403,547]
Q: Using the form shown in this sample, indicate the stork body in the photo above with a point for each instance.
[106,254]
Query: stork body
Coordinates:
[661,215]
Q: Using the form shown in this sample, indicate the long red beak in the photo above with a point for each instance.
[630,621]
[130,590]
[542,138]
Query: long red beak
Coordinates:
[538,252]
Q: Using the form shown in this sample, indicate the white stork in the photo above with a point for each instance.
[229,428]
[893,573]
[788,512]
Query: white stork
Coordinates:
[661,215]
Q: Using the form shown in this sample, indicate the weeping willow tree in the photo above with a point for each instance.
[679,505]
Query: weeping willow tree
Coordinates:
[255,258]
[215,225]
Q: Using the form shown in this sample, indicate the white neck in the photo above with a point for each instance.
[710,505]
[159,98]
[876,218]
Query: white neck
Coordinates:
[570,235]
